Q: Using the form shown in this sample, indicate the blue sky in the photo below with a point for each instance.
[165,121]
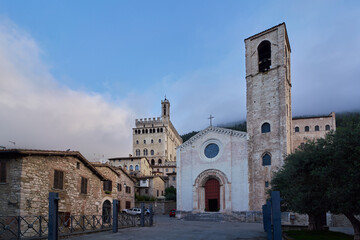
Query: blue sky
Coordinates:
[87,69]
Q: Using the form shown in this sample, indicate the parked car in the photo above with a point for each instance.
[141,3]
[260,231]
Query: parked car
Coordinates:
[172,213]
[135,211]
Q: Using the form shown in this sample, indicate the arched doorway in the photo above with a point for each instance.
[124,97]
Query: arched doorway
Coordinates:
[106,211]
[212,195]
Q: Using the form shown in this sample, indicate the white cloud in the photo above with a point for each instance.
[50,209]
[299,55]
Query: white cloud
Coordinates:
[38,113]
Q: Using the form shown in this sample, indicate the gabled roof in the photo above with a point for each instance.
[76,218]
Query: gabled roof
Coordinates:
[106,165]
[15,153]
[218,130]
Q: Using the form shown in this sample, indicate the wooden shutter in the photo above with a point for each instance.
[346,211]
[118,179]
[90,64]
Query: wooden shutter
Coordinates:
[3,171]
[84,185]
[58,179]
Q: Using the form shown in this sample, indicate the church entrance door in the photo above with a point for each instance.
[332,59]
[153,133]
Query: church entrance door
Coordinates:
[212,195]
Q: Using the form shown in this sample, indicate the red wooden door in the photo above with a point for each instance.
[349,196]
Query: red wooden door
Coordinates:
[212,195]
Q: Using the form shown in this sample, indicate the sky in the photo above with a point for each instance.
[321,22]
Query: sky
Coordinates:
[76,74]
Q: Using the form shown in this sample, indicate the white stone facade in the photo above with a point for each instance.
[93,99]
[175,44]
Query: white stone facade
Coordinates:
[229,167]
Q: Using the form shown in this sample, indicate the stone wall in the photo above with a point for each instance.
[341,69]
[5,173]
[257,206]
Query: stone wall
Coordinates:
[159,207]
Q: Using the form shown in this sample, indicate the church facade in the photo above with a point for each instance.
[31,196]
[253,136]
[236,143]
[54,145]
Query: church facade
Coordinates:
[230,171]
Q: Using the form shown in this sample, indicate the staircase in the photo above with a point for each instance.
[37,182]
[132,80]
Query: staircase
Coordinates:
[205,217]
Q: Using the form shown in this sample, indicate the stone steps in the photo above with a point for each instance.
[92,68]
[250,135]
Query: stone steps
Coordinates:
[205,217]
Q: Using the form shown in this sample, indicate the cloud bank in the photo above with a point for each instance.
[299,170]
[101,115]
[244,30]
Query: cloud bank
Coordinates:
[38,113]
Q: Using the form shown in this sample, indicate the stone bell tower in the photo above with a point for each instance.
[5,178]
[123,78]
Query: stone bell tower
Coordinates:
[268,103]
[165,109]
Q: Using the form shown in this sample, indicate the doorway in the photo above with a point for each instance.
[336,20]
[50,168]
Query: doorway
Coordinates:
[212,195]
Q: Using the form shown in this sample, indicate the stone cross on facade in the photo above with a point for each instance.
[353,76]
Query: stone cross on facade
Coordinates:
[211,117]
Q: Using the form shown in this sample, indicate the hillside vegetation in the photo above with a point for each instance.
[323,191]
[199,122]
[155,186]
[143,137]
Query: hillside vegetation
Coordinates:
[241,125]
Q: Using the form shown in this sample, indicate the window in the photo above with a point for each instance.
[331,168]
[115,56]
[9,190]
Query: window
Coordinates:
[167,170]
[131,168]
[143,131]
[162,193]
[107,185]
[152,140]
[158,130]
[173,170]
[297,129]
[157,193]
[307,128]
[125,167]
[159,161]
[78,165]
[128,189]
[137,152]
[145,152]
[152,152]
[146,191]
[137,168]
[144,141]
[327,127]
[174,178]
[146,131]
[127,204]
[317,128]
[84,182]
[150,130]
[159,140]
[137,141]
[2,172]
[58,179]
[266,160]
[161,129]
[119,187]
[266,184]
[265,128]
[264,53]
[152,162]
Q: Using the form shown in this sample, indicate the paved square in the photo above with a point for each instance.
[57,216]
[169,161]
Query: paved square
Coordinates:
[171,228]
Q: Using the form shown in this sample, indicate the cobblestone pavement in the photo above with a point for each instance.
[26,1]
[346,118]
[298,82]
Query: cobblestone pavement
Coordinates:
[171,228]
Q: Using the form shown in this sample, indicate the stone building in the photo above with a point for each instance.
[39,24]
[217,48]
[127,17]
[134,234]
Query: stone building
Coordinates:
[119,185]
[135,166]
[230,171]
[151,186]
[29,175]
[156,138]
[310,128]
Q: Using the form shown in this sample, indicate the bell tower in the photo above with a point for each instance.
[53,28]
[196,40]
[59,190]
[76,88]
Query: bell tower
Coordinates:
[268,106]
[165,109]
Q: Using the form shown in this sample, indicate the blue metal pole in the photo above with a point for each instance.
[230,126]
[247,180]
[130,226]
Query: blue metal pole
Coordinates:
[151,214]
[276,214]
[53,216]
[115,216]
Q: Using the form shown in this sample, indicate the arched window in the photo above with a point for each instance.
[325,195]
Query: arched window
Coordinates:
[146,131]
[152,140]
[307,128]
[145,152]
[265,128]
[137,152]
[327,127]
[152,152]
[317,128]
[152,162]
[143,131]
[131,168]
[136,167]
[161,130]
[125,167]
[159,140]
[264,53]
[144,141]
[266,159]
[158,130]
[159,161]
[137,141]
[297,129]
[150,130]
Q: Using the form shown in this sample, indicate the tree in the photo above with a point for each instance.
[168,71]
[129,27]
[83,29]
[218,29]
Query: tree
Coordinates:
[343,171]
[170,193]
[302,189]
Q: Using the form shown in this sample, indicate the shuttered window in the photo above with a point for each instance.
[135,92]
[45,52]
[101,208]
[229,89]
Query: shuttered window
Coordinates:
[2,171]
[84,182]
[58,179]
[107,185]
